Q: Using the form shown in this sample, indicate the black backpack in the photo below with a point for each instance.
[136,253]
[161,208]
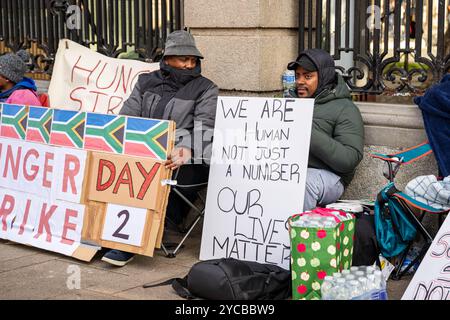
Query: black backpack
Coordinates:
[231,279]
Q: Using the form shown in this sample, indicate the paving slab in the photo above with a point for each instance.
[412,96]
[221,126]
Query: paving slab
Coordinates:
[85,295]
[24,261]
[11,251]
[137,280]
[49,279]
[158,293]
[396,288]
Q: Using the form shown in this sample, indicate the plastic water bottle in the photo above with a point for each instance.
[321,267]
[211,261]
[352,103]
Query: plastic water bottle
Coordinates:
[340,290]
[371,282]
[370,269]
[363,284]
[337,275]
[379,286]
[350,277]
[288,80]
[345,272]
[354,269]
[355,290]
[327,288]
[359,274]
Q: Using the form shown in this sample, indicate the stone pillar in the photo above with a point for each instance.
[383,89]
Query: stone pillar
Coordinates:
[246,44]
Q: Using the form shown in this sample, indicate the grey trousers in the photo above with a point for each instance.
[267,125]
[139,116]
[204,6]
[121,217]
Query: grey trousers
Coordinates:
[322,187]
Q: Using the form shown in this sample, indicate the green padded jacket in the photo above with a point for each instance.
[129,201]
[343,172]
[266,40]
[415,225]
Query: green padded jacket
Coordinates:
[337,137]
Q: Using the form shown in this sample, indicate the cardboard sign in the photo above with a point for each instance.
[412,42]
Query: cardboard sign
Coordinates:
[257,178]
[31,220]
[84,80]
[432,280]
[124,225]
[124,180]
[54,192]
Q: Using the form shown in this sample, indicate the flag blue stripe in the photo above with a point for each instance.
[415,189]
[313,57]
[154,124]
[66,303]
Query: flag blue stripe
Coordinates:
[37,113]
[141,125]
[11,110]
[63,115]
[99,120]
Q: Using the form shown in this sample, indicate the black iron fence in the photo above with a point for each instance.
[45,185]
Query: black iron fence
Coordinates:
[380,46]
[137,28]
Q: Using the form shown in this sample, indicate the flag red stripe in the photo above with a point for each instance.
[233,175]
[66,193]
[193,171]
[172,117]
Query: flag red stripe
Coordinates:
[136,149]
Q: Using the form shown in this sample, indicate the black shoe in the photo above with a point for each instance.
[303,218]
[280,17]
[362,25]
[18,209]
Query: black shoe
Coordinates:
[118,258]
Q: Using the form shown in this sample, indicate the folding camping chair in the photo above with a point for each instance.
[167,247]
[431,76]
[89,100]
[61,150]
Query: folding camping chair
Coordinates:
[171,249]
[408,204]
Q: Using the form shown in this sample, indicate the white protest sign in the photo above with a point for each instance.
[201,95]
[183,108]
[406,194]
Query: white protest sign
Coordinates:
[48,172]
[257,178]
[124,224]
[26,166]
[88,81]
[70,165]
[432,280]
[28,219]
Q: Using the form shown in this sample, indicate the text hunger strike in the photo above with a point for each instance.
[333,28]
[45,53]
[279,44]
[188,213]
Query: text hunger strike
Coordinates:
[20,212]
[26,163]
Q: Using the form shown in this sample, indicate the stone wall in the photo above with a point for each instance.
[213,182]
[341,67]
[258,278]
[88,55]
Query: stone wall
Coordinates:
[246,44]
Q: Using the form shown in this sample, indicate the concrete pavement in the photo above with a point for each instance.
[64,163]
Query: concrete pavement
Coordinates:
[31,273]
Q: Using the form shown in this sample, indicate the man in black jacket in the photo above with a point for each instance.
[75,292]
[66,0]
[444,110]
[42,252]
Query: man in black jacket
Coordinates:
[180,93]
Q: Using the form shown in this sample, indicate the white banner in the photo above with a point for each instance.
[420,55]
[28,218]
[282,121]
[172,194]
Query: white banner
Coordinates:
[432,280]
[48,172]
[88,81]
[257,178]
[31,220]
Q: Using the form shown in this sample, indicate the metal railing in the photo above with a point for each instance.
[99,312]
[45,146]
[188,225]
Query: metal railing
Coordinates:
[112,27]
[380,46]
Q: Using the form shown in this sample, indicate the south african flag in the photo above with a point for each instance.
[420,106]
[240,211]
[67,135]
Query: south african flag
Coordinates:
[14,121]
[147,138]
[39,124]
[68,129]
[104,133]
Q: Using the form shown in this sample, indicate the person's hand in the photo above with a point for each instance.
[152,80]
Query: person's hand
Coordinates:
[177,158]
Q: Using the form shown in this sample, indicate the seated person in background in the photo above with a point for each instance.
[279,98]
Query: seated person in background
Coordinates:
[15,88]
[180,93]
[337,137]
[337,142]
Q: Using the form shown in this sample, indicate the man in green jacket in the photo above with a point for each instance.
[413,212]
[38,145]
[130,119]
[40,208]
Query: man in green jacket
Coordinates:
[337,137]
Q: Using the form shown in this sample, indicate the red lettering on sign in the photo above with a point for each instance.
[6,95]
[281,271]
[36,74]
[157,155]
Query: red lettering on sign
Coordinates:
[148,176]
[111,107]
[108,74]
[70,172]
[96,99]
[48,168]
[90,71]
[112,175]
[34,168]
[75,99]
[122,79]
[6,208]
[128,181]
[25,217]
[44,220]
[12,162]
[68,226]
